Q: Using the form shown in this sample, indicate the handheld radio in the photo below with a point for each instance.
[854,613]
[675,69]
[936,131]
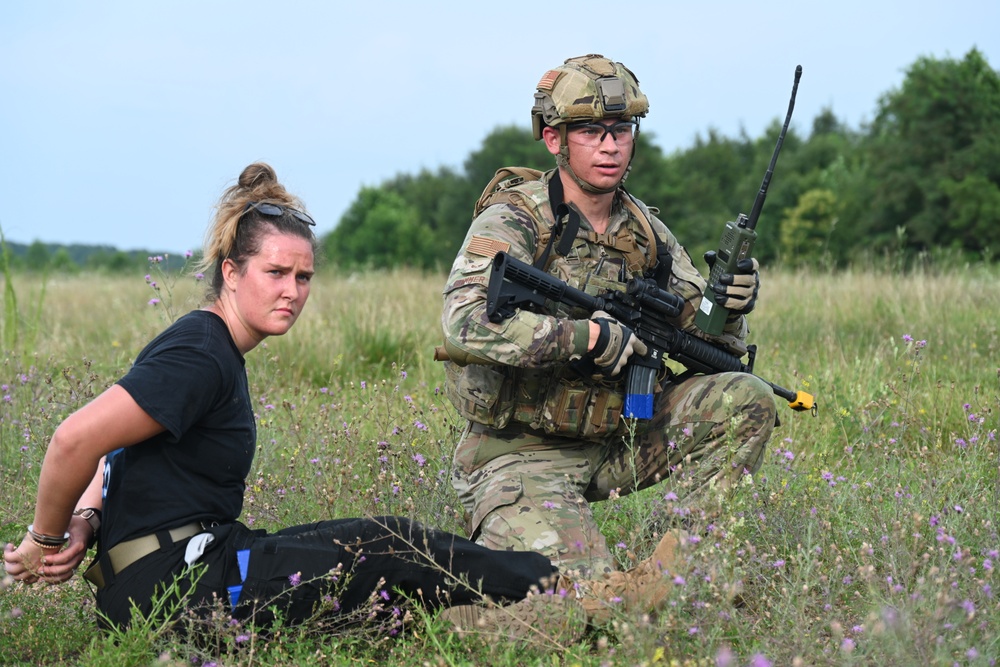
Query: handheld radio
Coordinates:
[738,239]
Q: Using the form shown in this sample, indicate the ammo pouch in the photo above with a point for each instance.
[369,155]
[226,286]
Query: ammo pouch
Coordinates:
[480,393]
[575,409]
[566,407]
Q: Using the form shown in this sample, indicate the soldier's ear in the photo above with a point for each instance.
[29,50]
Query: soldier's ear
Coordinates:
[551,137]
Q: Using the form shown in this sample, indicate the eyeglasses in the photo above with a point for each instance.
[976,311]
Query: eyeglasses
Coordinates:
[276,211]
[592,134]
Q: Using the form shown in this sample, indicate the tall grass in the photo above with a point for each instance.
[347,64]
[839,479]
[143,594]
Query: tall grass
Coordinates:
[869,537]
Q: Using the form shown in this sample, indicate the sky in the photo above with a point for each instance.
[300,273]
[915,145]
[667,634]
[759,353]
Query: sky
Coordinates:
[122,121]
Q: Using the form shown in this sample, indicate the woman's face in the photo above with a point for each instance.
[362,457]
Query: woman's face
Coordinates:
[271,291]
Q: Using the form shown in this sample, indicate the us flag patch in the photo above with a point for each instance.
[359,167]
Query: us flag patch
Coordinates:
[548,80]
[486,247]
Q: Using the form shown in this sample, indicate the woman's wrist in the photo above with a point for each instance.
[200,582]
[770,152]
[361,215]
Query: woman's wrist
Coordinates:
[92,516]
[45,541]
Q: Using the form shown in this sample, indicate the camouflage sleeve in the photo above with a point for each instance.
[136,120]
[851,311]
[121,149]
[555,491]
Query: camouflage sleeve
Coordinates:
[687,282]
[526,339]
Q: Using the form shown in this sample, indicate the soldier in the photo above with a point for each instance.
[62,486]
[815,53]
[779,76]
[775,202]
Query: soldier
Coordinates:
[543,391]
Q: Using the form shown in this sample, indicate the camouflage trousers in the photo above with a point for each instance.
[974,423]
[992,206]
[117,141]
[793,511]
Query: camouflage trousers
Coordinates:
[525,490]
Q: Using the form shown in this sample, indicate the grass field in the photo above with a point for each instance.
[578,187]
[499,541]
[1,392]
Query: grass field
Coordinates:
[869,537]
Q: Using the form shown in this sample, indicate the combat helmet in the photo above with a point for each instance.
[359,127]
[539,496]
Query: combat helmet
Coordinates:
[585,88]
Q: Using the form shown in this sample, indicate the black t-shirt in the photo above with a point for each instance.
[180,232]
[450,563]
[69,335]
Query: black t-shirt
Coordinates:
[191,379]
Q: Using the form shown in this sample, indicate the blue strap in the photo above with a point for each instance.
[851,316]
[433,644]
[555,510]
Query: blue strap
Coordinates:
[243,561]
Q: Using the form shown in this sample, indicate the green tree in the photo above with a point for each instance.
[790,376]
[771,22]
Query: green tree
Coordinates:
[934,155]
[112,261]
[826,161]
[504,147]
[421,220]
[699,189]
[37,257]
[806,229]
[442,202]
[62,262]
[379,230]
[973,211]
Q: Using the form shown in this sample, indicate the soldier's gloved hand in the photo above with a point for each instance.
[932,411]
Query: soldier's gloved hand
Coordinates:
[736,292]
[615,344]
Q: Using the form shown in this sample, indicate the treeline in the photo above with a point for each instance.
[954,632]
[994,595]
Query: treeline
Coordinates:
[39,257]
[921,181]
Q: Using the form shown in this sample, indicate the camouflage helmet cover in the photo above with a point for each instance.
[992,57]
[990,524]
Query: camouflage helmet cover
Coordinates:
[586,88]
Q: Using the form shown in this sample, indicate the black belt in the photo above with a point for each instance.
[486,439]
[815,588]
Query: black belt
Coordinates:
[125,553]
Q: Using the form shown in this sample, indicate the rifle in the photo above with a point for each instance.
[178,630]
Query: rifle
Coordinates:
[643,307]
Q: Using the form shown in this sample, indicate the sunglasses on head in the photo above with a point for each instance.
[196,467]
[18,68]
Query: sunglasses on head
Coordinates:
[276,211]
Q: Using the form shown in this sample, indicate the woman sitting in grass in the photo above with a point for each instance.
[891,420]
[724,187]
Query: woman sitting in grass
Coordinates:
[154,469]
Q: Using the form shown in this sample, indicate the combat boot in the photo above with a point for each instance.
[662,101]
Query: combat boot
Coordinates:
[641,589]
[569,604]
[539,618]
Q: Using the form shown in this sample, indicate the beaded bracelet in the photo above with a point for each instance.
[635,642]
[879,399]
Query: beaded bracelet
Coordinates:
[46,541]
[45,546]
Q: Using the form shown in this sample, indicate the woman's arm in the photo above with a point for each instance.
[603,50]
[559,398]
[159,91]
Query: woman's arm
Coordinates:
[71,477]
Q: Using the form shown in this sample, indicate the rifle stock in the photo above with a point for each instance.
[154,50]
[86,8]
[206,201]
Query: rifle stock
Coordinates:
[644,308]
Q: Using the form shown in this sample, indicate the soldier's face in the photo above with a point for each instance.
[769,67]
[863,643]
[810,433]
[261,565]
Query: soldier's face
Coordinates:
[602,164]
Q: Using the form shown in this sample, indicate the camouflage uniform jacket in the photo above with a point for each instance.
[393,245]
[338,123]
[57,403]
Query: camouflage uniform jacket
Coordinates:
[525,372]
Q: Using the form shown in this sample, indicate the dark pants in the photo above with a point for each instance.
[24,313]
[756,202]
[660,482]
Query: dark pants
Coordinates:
[341,567]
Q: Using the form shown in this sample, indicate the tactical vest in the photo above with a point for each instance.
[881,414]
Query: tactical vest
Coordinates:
[505,188]
[557,400]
